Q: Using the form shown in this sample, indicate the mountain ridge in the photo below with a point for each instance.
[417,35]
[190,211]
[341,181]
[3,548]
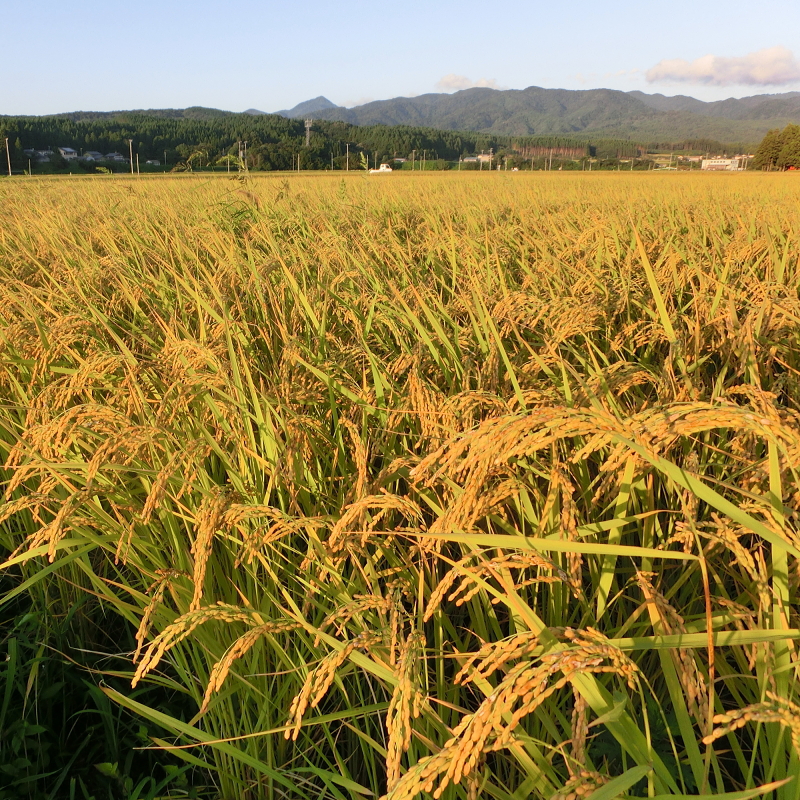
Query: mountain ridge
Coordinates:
[534,111]
[539,111]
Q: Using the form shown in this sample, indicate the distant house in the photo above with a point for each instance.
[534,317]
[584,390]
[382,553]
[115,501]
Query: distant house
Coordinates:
[114,157]
[471,160]
[93,155]
[68,153]
[153,162]
[400,160]
[720,164]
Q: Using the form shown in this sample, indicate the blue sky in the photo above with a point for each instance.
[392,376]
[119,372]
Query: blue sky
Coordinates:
[91,55]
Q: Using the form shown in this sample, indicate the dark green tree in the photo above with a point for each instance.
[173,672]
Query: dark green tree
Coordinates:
[766,156]
[789,155]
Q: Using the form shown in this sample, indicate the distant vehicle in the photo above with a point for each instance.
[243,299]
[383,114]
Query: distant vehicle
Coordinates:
[383,168]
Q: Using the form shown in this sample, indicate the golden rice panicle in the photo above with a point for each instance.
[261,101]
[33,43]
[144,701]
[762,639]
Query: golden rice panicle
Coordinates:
[54,531]
[183,627]
[354,519]
[773,709]
[184,462]
[443,587]
[427,405]
[580,785]
[128,443]
[666,620]
[472,578]
[519,694]
[158,589]
[580,729]
[595,644]
[282,525]
[209,519]
[494,656]
[238,649]
[35,502]
[405,705]
[358,605]
[320,679]
[50,440]
[360,457]
[730,536]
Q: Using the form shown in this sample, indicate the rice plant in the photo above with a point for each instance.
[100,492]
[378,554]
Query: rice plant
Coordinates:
[445,486]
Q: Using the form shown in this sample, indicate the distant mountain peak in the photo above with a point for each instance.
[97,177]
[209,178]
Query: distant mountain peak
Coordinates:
[308,107]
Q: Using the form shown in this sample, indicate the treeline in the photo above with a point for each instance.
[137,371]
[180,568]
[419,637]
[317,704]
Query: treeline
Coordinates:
[273,142]
[201,137]
[701,145]
[779,149]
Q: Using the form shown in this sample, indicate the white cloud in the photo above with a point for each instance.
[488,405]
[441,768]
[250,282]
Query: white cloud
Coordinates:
[774,66]
[454,83]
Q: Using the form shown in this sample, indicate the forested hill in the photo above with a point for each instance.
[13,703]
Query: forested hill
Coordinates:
[603,112]
[200,136]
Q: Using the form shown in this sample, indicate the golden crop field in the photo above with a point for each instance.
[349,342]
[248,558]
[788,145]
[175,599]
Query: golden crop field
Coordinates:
[458,486]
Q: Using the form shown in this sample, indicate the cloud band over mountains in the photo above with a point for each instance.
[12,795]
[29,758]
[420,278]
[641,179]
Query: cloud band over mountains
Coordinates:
[454,83]
[774,66]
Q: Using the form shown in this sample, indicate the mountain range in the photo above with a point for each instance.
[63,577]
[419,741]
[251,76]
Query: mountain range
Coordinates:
[537,111]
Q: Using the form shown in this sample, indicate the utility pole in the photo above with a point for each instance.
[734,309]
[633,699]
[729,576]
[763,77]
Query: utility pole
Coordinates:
[413,159]
[347,168]
[491,157]
[130,148]
[8,157]
[309,122]
[137,165]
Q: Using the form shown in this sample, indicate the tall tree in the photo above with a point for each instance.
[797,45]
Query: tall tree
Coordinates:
[766,156]
[789,155]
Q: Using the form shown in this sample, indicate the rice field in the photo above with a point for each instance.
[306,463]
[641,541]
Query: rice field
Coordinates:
[459,486]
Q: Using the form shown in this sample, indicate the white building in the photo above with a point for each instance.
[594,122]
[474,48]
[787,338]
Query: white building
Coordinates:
[721,164]
[68,153]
